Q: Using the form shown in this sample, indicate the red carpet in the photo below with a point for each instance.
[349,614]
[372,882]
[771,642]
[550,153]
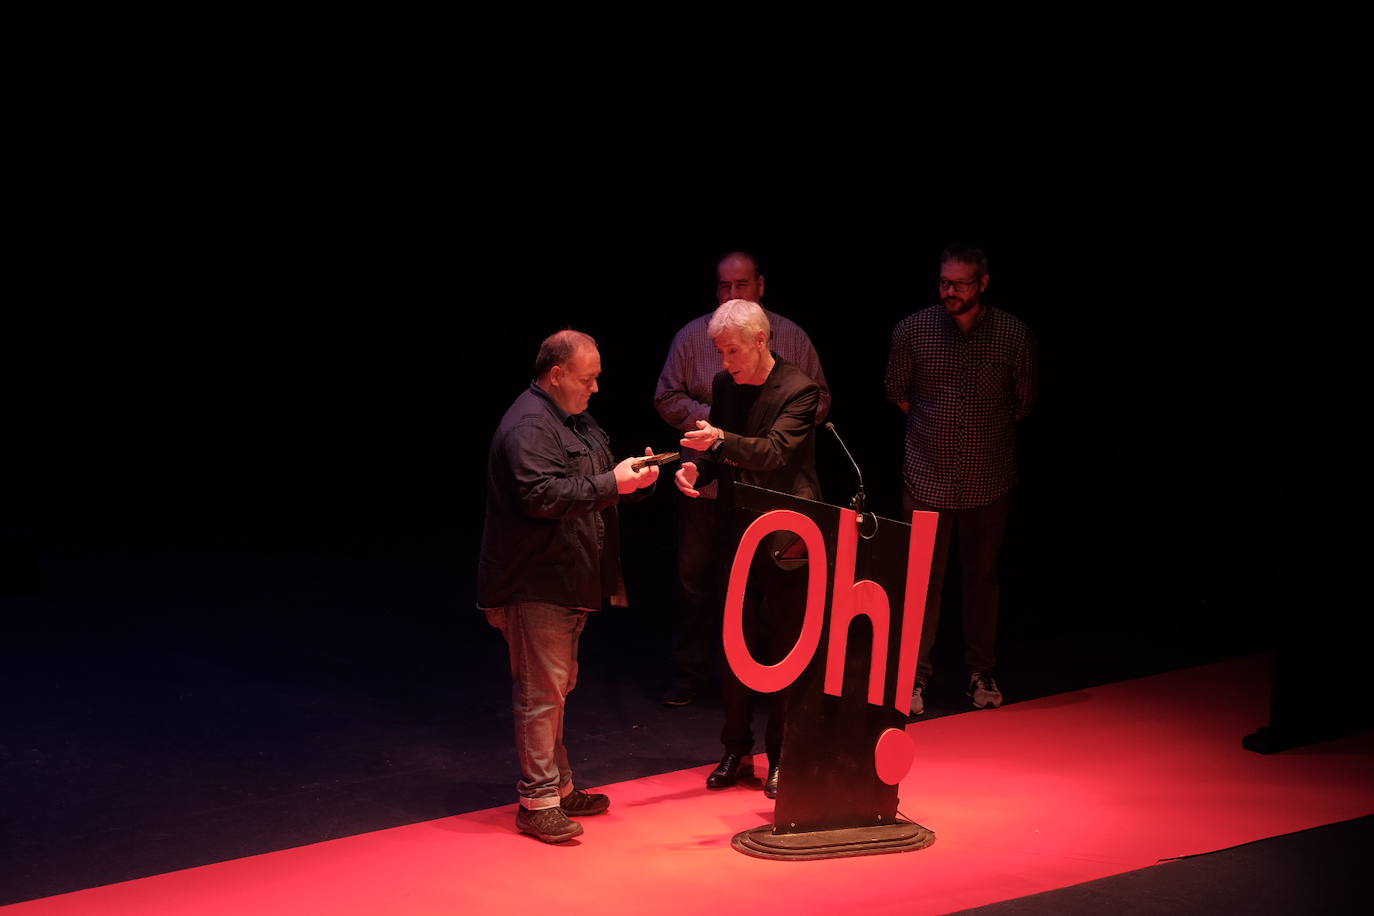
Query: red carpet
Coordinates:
[1027,798]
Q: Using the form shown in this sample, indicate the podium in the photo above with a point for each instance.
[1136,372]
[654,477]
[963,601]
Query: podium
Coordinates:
[850,673]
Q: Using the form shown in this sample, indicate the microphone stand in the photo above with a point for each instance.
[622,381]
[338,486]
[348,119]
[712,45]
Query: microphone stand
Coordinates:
[860,499]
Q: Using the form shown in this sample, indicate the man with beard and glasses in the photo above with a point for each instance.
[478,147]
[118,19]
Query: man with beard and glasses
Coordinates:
[964,373]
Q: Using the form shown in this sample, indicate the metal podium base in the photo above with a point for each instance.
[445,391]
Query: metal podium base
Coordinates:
[763,843]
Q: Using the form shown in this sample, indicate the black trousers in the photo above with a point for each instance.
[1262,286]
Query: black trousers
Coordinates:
[774,606]
[980,531]
[697,612]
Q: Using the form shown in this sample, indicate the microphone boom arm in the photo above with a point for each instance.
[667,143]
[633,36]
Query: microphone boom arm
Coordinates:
[857,503]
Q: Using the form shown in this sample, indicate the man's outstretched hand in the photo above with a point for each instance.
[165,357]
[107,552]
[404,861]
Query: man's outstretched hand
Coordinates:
[703,437]
[627,479]
[686,479]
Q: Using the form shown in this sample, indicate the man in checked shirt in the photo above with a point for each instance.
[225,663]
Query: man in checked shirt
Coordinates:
[682,398]
[963,372]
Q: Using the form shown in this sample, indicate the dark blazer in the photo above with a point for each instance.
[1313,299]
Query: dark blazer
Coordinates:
[771,443]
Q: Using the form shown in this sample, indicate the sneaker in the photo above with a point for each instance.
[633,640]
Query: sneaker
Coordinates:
[548,824]
[680,695]
[918,700]
[982,687]
[584,804]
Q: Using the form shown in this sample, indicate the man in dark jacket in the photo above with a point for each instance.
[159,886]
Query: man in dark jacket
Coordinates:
[550,554]
[762,431]
[682,397]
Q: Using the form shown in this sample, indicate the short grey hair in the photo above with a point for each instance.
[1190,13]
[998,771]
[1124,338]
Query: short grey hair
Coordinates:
[739,315]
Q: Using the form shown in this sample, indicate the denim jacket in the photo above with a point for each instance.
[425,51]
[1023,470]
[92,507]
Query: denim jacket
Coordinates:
[551,531]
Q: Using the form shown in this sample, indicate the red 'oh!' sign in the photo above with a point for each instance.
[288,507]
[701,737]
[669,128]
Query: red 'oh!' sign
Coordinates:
[893,753]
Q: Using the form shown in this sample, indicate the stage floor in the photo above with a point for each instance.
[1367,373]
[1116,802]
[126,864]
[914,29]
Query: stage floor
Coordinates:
[1035,796]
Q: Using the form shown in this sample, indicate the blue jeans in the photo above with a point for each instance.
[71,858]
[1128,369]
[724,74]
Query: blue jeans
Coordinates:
[543,664]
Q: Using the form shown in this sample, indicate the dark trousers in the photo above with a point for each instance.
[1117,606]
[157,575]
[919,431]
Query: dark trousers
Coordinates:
[697,612]
[774,605]
[980,531]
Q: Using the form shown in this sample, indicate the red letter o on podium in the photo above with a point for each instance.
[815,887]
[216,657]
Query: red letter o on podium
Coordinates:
[772,678]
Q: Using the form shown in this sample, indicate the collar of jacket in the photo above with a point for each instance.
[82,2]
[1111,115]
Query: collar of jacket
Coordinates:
[563,417]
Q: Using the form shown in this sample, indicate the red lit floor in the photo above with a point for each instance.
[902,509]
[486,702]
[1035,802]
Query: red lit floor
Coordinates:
[1031,797]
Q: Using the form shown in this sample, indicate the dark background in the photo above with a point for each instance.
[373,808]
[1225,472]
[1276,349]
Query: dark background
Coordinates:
[285,278]
[332,262]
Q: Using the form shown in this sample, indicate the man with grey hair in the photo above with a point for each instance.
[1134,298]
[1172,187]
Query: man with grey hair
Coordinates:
[682,399]
[761,431]
[550,554]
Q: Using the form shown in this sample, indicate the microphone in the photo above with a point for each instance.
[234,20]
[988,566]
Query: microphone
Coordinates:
[857,503]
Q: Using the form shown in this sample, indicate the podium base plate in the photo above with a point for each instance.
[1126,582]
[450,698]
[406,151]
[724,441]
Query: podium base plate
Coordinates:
[763,843]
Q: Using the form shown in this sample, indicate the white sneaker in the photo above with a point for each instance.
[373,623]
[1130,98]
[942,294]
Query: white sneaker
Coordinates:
[918,700]
[982,687]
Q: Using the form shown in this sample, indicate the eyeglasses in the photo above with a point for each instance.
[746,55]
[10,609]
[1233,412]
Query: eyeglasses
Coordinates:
[962,286]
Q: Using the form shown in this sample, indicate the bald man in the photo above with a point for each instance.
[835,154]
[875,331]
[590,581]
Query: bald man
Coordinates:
[550,555]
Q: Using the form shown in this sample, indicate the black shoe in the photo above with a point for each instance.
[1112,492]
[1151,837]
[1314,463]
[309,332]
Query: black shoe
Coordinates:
[729,770]
[548,824]
[770,785]
[585,804]
[680,695]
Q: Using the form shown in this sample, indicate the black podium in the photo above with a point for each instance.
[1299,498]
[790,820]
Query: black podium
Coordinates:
[850,673]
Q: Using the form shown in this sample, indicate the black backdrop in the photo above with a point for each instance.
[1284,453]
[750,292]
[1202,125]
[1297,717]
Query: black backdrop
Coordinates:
[326,254]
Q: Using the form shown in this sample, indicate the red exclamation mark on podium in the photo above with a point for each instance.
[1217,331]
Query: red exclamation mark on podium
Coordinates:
[894,752]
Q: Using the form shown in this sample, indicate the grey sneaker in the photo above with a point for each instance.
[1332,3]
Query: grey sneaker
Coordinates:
[548,824]
[982,687]
[584,804]
[918,700]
